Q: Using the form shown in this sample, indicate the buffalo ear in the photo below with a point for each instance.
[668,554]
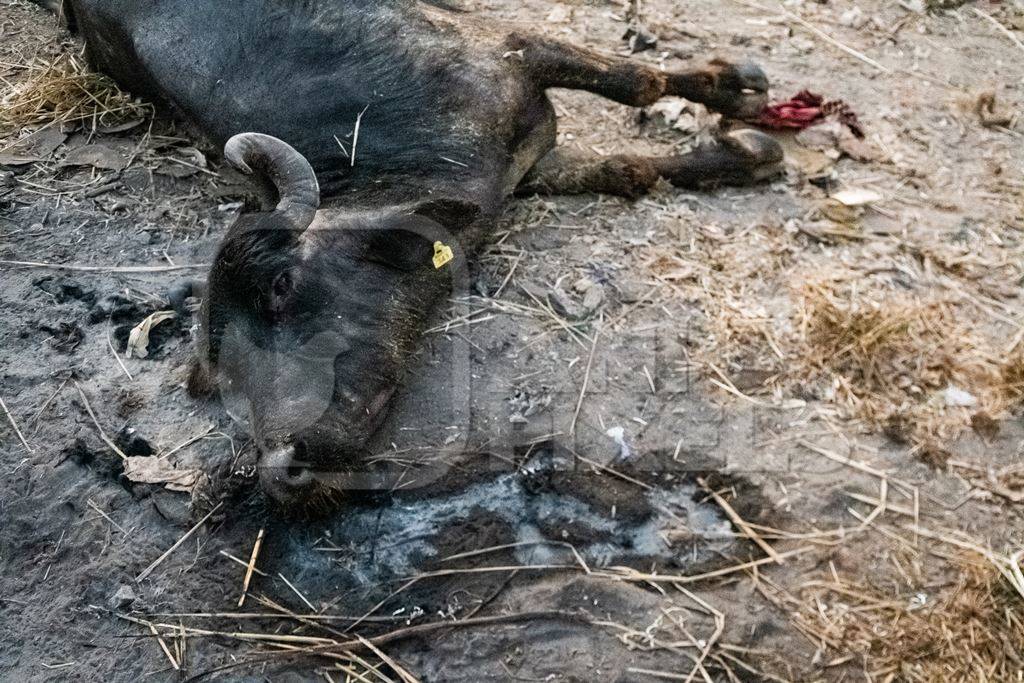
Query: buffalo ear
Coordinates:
[452,214]
[406,242]
[403,247]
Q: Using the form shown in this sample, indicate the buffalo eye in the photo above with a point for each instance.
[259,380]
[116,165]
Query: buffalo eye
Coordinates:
[281,290]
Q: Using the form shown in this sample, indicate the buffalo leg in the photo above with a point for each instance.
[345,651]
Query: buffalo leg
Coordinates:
[743,157]
[736,90]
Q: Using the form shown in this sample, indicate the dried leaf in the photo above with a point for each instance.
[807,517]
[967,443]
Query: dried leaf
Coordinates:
[152,470]
[35,147]
[138,339]
[857,196]
[97,156]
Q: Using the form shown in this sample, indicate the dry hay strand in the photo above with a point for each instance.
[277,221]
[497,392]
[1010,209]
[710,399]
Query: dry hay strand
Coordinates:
[63,91]
[882,344]
[737,282]
[972,631]
[1012,376]
[889,358]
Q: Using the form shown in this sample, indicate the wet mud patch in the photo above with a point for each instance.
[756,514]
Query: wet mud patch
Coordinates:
[468,537]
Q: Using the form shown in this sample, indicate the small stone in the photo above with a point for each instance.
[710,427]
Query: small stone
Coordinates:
[582,285]
[123,598]
[137,180]
[639,39]
[563,305]
[630,293]
[593,299]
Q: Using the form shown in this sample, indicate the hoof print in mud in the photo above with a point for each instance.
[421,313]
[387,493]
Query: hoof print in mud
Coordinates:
[63,290]
[116,308]
[63,336]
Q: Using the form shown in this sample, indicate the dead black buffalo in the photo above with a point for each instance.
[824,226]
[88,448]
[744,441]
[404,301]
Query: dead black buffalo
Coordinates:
[381,126]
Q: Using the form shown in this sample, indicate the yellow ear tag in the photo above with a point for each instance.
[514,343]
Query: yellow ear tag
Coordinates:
[442,255]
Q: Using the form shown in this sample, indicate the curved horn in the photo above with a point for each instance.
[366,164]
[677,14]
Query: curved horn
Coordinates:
[291,174]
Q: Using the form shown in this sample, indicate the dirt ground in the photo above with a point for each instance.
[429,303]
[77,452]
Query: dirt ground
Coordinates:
[645,441]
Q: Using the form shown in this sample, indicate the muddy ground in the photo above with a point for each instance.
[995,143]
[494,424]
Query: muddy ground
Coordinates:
[574,514]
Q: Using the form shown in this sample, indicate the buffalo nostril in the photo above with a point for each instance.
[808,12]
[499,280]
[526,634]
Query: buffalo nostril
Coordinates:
[284,472]
[297,467]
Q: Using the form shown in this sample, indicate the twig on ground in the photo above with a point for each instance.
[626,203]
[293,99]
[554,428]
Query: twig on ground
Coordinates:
[163,646]
[35,418]
[167,553]
[511,272]
[1002,29]
[105,516]
[105,269]
[10,418]
[297,592]
[586,382]
[821,34]
[634,576]
[739,522]
[237,560]
[328,646]
[384,657]
[251,566]
[103,435]
[117,357]
[188,442]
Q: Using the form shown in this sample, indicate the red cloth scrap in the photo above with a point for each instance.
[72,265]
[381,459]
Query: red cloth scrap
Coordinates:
[806,109]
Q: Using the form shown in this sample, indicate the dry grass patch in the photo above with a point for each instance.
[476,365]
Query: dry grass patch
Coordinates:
[64,90]
[1012,373]
[913,365]
[919,365]
[970,631]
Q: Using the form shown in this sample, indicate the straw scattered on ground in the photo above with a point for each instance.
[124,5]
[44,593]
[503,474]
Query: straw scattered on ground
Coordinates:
[922,364]
[907,364]
[64,90]
[971,630]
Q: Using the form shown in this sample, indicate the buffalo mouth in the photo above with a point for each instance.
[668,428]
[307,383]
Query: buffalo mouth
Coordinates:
[317,469]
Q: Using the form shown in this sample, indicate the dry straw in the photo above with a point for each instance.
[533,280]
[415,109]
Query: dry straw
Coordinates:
[892,359]
[64,90]
[972,630]
[887,358]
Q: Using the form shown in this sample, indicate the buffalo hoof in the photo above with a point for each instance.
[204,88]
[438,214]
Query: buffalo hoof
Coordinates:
[743,157]
[739,91]
[758,156]
[178,296]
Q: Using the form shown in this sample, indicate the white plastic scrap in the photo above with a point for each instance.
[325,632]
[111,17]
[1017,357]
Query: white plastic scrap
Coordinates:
[618,434]
[958,398]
